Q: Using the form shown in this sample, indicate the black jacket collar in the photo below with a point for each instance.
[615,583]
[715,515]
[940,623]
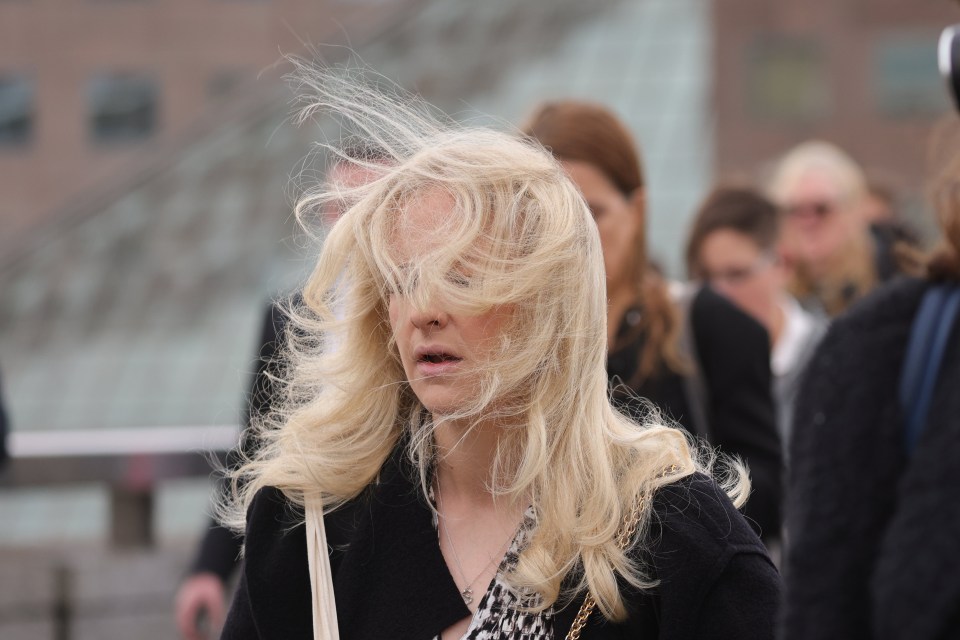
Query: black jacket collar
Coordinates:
[393,563]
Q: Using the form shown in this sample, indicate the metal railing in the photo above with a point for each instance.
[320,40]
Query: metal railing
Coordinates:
[131,461]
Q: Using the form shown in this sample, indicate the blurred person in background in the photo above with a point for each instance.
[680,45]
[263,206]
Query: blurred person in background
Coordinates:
[708,357]
[200,605]
[833,255]
[880,203]
[873,508]
[890,231]
[733,247]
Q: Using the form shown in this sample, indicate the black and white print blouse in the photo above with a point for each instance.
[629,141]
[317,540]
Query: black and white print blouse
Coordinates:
[499,614]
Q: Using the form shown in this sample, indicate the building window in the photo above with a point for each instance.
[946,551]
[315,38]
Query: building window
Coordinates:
[16,110]
[225,81]
[907,82]
[786,79]
[123,107]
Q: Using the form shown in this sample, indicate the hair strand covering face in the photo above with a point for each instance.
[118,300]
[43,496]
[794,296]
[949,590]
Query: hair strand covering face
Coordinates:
[519,235]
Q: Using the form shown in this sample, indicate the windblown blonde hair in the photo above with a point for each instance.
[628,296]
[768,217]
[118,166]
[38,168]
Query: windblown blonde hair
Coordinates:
[519,234]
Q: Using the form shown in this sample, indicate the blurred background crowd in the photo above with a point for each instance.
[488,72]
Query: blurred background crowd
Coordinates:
[148,165]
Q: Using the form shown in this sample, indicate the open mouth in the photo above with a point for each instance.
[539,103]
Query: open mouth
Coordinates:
[437,358]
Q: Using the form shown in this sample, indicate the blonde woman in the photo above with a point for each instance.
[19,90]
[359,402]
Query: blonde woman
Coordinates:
[827,242]
[475,480]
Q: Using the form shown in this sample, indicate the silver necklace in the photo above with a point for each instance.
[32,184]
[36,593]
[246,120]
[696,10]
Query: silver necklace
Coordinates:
[467,592]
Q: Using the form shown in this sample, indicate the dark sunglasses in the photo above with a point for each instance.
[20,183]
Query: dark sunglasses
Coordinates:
[818,209]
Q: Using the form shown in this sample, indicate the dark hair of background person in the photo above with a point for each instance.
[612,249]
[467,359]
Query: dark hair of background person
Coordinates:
[740,209]
[581,132]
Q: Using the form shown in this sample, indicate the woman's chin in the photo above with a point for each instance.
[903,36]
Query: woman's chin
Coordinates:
[445,409]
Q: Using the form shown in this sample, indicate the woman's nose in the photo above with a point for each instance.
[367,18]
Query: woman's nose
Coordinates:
[429,318]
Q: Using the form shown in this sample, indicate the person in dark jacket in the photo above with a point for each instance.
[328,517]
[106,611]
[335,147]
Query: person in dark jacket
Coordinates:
[732,244]
[874,527]
[446,438]
[715,382]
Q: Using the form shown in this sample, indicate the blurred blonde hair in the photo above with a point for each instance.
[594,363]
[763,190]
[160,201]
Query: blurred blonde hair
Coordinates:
[520,235]
[850,271]
[817,155]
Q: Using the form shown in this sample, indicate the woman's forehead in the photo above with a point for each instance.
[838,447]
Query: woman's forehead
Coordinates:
[424,224]
[728,243]
[815,183]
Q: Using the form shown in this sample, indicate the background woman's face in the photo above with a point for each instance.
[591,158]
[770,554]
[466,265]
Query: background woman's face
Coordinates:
[619,220]
[443,353]
[818,220]
[739,269]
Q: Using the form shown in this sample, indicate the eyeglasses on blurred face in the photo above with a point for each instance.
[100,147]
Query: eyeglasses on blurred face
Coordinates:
[737,275]
[815,209]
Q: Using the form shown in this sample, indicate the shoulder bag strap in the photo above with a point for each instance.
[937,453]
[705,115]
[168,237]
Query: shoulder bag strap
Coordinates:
[321,577]
[925,349]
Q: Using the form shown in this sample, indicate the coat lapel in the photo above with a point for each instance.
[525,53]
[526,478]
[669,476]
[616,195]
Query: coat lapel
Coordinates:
[393,565]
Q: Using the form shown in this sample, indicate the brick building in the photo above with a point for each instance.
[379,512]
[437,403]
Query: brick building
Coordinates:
[89,88]
[859,73]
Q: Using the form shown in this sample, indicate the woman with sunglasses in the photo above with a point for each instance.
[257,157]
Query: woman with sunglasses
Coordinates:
[829,247]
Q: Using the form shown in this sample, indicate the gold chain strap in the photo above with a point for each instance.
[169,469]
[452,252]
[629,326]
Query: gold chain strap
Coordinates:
[624,535]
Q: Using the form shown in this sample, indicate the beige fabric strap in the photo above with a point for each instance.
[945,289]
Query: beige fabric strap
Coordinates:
[321,577]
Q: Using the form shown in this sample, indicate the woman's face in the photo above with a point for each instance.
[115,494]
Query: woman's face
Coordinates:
[818,221]
[443,353]
[736,266]
[619,220]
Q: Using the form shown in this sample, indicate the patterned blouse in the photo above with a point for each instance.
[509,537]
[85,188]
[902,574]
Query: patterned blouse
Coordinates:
[499,615]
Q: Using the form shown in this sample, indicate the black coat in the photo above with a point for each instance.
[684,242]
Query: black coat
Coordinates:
[874,536]
[392,583]
[734,358]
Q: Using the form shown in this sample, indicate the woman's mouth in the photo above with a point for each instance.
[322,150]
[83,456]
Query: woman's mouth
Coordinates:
[432,362]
